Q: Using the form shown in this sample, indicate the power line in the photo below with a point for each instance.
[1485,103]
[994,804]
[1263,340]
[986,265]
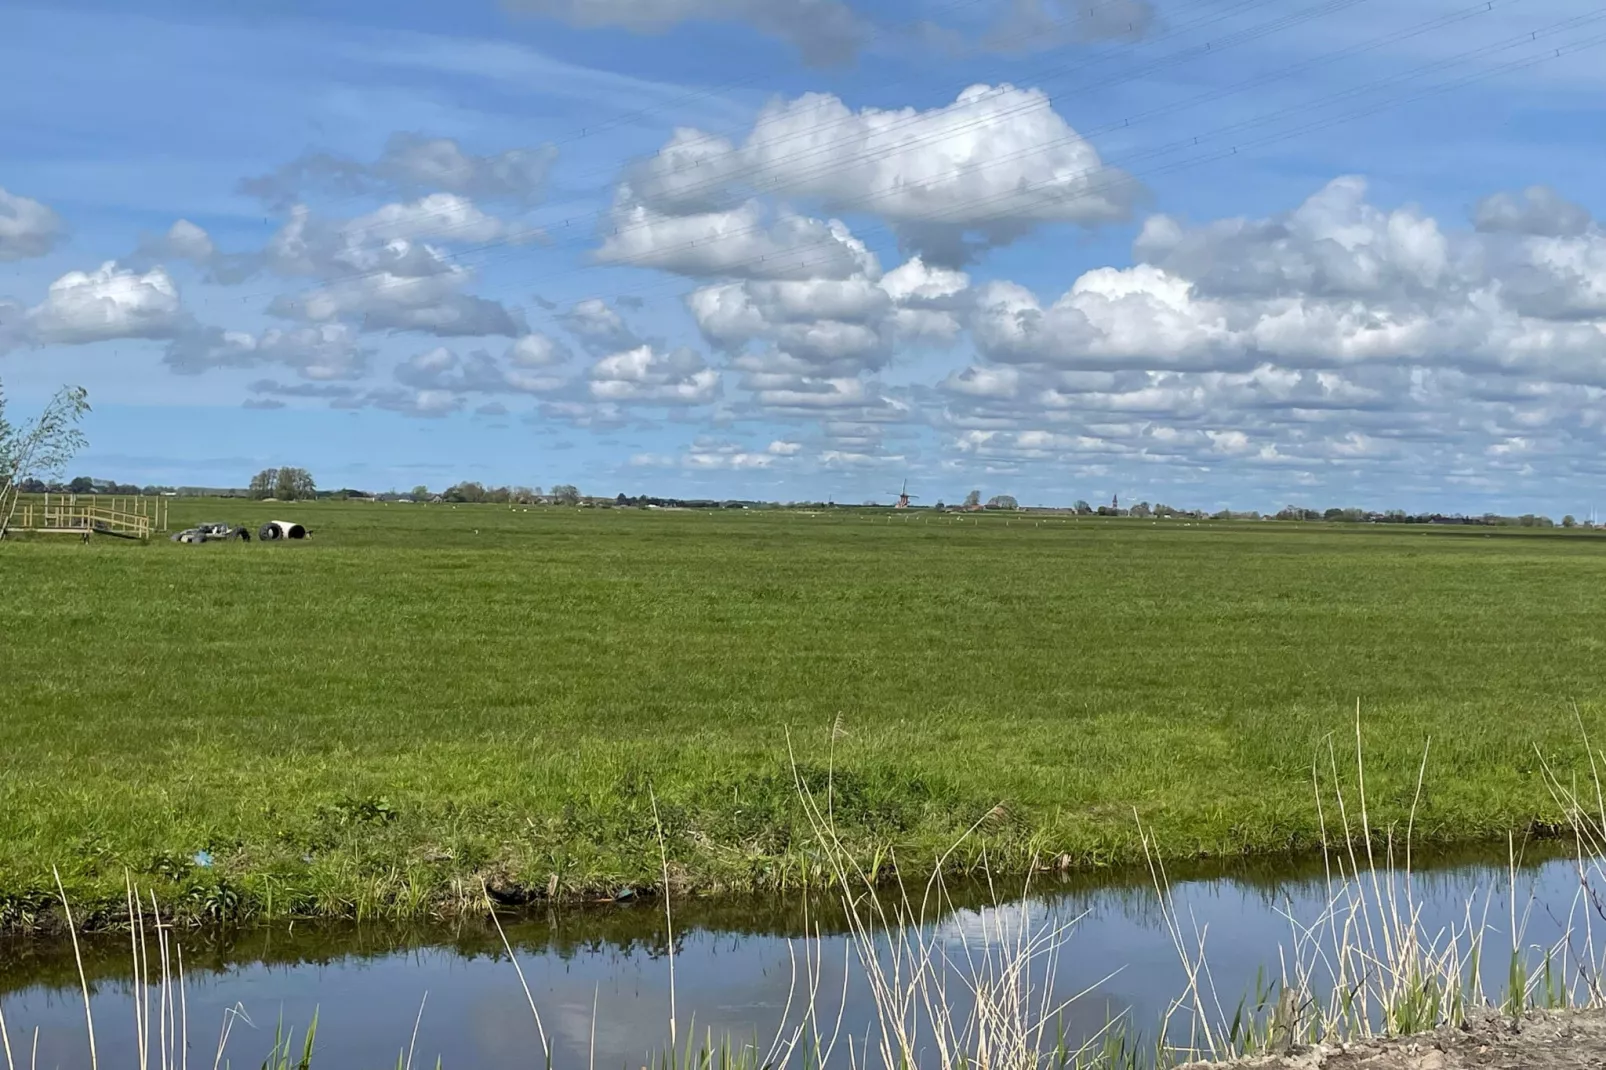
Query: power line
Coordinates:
[1126,123]
[1089,85]
[1111,185]
[1046,73]
[1528,38]
[877,31]
[690,96]
[1183,143]
[1506,68]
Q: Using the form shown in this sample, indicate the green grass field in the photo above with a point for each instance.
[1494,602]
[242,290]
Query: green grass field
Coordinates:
[422,696]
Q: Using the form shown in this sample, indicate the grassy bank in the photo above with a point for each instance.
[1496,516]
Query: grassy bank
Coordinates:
[423,696]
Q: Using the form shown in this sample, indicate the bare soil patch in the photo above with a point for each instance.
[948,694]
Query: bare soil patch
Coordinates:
[1561,1041]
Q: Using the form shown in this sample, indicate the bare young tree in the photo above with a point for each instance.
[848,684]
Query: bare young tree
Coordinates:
[41,447]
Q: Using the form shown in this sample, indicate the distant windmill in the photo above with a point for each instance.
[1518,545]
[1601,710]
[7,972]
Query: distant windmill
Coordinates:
[904,497]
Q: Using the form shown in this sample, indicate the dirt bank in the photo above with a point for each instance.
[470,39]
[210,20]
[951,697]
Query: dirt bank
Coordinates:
[1536,1042]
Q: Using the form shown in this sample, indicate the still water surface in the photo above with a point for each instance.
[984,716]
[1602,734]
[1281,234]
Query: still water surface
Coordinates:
[734,965]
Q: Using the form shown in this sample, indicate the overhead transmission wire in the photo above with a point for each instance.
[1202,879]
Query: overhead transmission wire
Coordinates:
[704,92]
[792,179]
[1079,65]
[1211,47]
[1548,54]
[1183,56]
[1185,142]
[876,31]
[1533,36]
[1512,66]
[956,213]
[1091,84]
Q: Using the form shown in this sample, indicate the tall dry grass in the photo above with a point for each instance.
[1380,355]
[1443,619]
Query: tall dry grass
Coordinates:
[1369,965]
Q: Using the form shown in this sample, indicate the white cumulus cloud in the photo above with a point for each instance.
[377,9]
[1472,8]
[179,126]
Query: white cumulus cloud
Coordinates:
[744,241]
[1537,210]
[833,323]
[985,170]
[330,351]
[1334,339]
[109,302]
[707,454]
[1337,282]
[27,228]
[439,216]
[645,375]
[380,284]
[442,369]
[536,350]
[598,327]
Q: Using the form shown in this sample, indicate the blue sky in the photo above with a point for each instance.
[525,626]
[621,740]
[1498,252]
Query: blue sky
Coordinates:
[1205,252]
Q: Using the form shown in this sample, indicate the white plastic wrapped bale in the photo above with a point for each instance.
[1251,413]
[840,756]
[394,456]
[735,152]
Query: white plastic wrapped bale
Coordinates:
[281,529]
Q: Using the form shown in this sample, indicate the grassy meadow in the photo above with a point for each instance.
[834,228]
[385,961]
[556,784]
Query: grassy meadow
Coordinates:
[425,696]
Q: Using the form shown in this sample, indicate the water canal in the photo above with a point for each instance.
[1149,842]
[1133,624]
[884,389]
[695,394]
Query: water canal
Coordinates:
[601,977]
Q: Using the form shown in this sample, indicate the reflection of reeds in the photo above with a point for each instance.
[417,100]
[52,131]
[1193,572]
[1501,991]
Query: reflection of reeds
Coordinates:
[1367,965]
[988,1003]
[953,987]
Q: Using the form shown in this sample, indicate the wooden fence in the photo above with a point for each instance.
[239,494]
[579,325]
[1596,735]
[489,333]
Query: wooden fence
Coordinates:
[126,516]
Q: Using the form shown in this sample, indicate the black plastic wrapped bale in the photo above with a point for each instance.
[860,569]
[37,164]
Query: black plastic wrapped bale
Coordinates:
[281,529]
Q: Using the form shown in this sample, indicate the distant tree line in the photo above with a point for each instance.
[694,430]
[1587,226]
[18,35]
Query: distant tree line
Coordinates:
[998,501]
[85,485]
[475,493]
[297,484]
[1400,516]
[644,501]
[478,492]
[1334,515]
[284,484]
